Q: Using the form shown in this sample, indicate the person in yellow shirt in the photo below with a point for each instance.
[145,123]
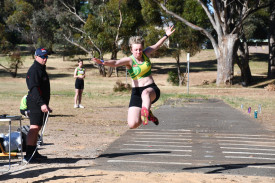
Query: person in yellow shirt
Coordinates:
[23,106]
[79,74]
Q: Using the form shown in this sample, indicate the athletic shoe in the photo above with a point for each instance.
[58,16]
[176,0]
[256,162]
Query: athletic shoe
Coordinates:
[144,115]
[35,159]
[76,106]
[39,156]
[81,106]
[153,118]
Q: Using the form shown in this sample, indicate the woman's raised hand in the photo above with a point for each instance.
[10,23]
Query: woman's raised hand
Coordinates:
[170,30]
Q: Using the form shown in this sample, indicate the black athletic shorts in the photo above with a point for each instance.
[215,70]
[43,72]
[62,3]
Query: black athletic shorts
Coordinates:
[37,118]
[136,95]
[24,112]
[79,84]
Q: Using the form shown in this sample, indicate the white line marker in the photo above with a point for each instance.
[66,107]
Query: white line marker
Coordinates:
[158,142]
[130,149]
[230,152]
[246,141]
[269,167]
[247,157]
[249,145]
[160,135]
[165,133]
[244,135]
[148,162]
[243,148]
[179,130]
[208,156]
[181,139]
[246,138]
[148,145]
[181,155]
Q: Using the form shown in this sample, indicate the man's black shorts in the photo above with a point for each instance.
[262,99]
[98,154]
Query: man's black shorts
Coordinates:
[79,84]
[136,95]
[37,118]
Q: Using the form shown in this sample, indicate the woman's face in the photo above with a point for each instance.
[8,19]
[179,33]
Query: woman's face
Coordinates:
[80,64]
[137,50]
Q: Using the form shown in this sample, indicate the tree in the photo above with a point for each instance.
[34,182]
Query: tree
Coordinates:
[185,38]
[43,27]
[15,62]
[226,18]
[20,19]
[100,25]
[271,61]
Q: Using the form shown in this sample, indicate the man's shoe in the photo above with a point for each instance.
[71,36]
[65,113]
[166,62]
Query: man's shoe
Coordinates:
[81,106]
[39,156]
[27,159]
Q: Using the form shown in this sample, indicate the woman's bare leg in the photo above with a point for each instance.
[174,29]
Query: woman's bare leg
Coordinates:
[134,120]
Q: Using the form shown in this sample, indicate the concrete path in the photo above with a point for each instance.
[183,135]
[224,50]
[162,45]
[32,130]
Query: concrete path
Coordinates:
[206,136]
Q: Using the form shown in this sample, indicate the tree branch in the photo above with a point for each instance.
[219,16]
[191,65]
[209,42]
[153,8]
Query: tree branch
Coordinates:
[195,27]
[248,11]
[207,13]
[120,23]
[72,12]
[76,44]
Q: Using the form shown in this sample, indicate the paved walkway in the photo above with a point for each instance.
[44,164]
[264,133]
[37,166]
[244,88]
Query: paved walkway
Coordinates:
[205,136]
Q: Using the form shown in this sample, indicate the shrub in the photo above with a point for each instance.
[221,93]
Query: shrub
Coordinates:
[173,78]
[120,87]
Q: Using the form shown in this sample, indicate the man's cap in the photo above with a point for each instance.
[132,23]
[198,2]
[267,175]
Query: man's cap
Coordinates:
[41,52]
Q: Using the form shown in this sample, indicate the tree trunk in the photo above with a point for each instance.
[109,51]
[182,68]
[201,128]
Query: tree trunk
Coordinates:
[101,69]
[113,57]
[181,79]
[271,62]
[225,57]
[243,62]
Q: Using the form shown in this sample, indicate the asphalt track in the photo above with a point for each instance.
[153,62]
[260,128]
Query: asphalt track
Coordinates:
[205,136]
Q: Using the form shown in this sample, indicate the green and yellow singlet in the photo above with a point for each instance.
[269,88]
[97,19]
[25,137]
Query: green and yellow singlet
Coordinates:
[23,103]
[80,71]
[139,71]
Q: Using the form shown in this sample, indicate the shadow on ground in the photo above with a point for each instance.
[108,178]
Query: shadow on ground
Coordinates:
[225,167]
[35,171]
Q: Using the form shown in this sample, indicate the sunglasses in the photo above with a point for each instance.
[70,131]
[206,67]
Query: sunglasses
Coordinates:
[43,57]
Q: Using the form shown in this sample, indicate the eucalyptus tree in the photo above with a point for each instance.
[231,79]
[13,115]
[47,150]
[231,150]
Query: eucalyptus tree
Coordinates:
[226,18]
[98,26]
[185,38]
[271,61]
[20,18]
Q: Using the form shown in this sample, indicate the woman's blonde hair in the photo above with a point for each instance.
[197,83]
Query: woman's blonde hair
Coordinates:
[136,40]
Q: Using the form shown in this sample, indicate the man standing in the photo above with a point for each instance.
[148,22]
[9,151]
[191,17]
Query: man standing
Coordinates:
[37,101]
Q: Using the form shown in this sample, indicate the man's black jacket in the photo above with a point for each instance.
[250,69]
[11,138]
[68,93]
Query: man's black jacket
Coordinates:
[39,86]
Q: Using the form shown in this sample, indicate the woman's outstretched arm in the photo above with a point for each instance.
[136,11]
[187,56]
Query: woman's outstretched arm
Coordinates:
[149,50]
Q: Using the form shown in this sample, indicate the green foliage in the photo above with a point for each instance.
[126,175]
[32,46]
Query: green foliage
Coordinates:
[256,25]
[121,87]
[21,17]
[15,62]
[43,28]
[151,13]
[5,45]
[173,78]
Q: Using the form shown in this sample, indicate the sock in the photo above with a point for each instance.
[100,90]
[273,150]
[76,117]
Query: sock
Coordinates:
[30,150]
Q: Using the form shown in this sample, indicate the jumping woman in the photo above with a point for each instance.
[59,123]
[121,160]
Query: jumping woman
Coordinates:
[144,90]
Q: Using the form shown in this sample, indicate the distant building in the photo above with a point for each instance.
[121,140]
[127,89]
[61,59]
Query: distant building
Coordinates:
[258,46]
